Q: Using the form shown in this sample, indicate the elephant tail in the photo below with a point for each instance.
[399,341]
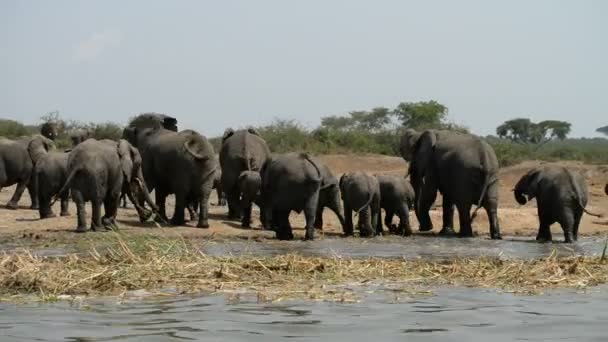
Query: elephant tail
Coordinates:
[490,177]
[309,159]
[578,194]
[65,186]
[368,202]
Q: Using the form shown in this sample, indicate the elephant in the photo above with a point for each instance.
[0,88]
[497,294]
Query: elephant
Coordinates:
[51,173]
[49,130]
[396,197]
[361,193]
[329,196]
[97,172]
[241,150]
[154,120]
[462,167]
[606,189]
[80,135]
[249,185]
[561,196]
[17,161]
[291,181]
[176,163]
[217,185]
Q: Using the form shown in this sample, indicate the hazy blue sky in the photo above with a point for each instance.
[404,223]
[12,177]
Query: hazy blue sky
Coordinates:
[214,64]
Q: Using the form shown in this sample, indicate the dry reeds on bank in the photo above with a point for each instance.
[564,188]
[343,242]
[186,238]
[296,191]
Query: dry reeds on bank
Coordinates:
[156,265]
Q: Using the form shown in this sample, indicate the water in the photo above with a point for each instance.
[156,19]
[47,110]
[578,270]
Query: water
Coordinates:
[411,247]
[452,314]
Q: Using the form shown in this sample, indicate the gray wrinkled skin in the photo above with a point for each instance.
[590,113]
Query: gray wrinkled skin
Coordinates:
[250,184]
[462,167]
[396,198]
[51,173]
[561,197]
[361,194]
[17,161]
[242,150]
[290,182]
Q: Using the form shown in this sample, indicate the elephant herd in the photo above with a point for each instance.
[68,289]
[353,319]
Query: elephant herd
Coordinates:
[154,156]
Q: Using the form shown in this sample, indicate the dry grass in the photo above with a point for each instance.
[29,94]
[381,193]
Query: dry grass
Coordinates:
[156,264]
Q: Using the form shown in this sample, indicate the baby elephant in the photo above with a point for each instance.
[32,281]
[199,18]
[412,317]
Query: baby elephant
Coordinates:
[250,183]
[396,197]
[51,172]
[361,193]
[561,196]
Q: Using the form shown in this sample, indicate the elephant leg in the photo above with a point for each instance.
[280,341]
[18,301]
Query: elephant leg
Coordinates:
[310,213]
[192,211]
[178,218]
[491,207]
[365,222]
[284,231]
[221,200]
[80,211]
[577,220]
[427,198]
[404,221]
[348,220]
[14,202]
[246,219]
[319,218]
[448,217]
[96,215]
[32,189]
[233,204]
[110,205]
[44,206]
[203,207]
[388,220]
[65,204]
[567,223]
[464,215]
[544,229]
[161,198]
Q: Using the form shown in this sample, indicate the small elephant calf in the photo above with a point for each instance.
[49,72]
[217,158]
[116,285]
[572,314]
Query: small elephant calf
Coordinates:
[396,197]
[250,184]
[561,196]
[361,193]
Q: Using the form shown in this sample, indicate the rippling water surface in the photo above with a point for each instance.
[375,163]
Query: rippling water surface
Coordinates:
[450,315]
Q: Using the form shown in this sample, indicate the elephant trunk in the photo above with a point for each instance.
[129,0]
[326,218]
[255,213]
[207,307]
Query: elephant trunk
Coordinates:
[146,194]
[520,197]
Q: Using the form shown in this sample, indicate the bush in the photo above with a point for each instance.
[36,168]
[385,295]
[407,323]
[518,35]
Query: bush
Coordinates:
[12,129]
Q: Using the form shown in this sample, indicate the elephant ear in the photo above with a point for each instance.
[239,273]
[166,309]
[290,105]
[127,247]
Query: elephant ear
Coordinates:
[529,184]
[423,153]
[37,147]
[407,143]
[227,134]
[126,162]
[253,131]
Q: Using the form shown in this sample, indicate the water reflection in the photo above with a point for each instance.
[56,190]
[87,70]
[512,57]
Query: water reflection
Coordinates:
[451,315]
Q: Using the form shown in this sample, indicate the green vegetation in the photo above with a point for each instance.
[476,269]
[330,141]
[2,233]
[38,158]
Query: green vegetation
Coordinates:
[377,131]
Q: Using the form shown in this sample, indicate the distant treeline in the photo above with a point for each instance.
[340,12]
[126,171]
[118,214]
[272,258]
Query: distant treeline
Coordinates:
[377,131]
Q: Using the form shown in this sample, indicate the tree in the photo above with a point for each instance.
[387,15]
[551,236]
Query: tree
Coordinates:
[421,115]
[524,131]
[603,130]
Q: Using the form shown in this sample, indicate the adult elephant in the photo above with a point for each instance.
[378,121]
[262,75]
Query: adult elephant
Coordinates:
[80,135]
[295,181]
[242,150]
[176,163]
[49,130]
[97,171]
[463,167]
[17,161]
[561,196]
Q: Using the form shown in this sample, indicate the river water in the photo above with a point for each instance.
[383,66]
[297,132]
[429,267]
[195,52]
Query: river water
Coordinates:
[451,314]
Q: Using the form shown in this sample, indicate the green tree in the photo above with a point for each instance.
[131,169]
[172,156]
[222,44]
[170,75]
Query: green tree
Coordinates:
[421,115]
[524,131]
[12,129]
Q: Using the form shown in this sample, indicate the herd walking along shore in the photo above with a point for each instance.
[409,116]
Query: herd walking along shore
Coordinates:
[441,173]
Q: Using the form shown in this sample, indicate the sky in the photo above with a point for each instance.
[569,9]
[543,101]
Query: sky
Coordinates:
[219,64]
